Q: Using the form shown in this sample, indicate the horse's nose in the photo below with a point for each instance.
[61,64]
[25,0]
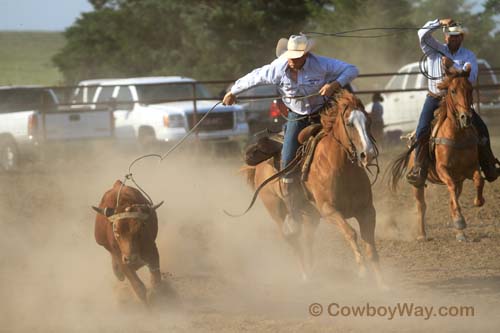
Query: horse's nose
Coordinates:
[366,157]
[465,120]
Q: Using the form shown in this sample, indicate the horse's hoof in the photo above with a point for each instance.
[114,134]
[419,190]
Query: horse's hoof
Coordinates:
[291,228]
[460,223]
[478,202]
[422,239]
[461,237]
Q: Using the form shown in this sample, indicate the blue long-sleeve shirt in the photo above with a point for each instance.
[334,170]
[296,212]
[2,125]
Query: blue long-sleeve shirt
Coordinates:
[430,46]
[316,72]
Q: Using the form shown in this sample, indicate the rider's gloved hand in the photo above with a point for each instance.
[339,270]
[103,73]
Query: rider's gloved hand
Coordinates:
[446,22]
[330,88]
[447,62]
[229,98]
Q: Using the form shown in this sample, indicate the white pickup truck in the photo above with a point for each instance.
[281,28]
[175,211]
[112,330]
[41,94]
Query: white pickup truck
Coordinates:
[163,109]
[31,119]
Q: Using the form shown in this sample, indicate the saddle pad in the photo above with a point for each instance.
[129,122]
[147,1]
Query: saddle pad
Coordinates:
[264,149]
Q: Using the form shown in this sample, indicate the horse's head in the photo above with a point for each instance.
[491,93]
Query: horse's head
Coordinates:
[458,99]
[349,124]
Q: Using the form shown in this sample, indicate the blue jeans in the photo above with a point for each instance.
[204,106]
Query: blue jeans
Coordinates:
[424,122]
[291,142]
[426,116]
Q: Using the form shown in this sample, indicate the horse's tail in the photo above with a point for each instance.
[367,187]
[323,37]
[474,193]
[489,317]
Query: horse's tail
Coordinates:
[249,173]
[399,166]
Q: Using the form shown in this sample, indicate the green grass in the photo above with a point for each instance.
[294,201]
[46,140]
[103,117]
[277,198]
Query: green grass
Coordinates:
[25,58]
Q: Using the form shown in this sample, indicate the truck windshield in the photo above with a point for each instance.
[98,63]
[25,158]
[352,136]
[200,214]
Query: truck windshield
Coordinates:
[154,93]
[13,100]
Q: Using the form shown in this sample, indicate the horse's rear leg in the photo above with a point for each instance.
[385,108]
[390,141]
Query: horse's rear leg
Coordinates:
[479,185]
[277,210]
[367,223]
[350,236]
[419,193]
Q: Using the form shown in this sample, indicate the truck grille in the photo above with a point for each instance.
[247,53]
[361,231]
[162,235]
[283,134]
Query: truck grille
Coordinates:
[216,121]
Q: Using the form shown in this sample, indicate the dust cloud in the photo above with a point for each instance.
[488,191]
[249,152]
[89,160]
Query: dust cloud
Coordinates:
[228,274]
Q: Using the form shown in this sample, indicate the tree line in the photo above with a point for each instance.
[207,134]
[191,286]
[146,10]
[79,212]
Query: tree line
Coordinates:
[222,39]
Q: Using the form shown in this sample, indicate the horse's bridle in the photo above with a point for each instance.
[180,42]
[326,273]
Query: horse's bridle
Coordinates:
[454,105]
[351,151]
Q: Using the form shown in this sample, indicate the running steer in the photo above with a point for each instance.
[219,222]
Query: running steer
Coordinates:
[127,227]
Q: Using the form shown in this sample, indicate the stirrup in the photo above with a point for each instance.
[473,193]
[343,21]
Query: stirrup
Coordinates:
[417,176]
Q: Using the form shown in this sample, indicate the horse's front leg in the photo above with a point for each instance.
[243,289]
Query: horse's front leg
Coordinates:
[454,189]
[333,216]
[479,185]
[277,209]
[310,225]
[367,221]
[419,193]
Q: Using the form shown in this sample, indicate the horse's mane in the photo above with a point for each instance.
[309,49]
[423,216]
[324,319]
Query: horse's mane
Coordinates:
[332,109]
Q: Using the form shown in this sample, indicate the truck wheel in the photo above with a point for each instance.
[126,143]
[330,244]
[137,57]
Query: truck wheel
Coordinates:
[146,137]
[8,155]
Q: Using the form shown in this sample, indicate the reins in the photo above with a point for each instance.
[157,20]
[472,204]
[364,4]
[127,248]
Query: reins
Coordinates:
[288,168]
[352,153]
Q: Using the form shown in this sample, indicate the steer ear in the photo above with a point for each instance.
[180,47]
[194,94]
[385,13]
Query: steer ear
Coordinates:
[104,211]
[155,207]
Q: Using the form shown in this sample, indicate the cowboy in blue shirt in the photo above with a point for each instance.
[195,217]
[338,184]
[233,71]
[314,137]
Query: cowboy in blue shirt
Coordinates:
[453,55]
[305,81]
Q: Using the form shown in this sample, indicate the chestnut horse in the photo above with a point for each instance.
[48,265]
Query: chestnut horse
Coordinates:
[337,184]
[455,154]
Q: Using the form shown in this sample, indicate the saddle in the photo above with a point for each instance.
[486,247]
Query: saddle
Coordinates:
[439,117]
[270,147]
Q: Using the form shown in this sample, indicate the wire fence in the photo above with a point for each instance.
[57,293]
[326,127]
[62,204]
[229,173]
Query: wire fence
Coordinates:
[124,93]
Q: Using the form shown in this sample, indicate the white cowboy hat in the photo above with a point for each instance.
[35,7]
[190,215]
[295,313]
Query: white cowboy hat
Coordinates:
[294,47]
[454,30]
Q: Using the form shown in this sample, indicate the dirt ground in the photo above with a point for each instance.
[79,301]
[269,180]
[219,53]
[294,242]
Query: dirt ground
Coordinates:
[230,274]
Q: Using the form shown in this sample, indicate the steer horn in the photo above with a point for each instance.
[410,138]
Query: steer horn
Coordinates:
[104,211]
[157,205]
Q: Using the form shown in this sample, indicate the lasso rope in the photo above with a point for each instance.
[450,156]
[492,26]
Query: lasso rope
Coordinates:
[344,34]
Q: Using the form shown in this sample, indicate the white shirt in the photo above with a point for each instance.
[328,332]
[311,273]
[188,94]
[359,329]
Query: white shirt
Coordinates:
[316,72]
[430,45]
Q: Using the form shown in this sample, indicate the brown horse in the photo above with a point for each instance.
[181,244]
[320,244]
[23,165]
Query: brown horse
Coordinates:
[337,184]
[455,154]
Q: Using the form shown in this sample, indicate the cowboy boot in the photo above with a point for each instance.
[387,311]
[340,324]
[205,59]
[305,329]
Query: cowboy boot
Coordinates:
[292,197]
[418,174]
[487,161]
